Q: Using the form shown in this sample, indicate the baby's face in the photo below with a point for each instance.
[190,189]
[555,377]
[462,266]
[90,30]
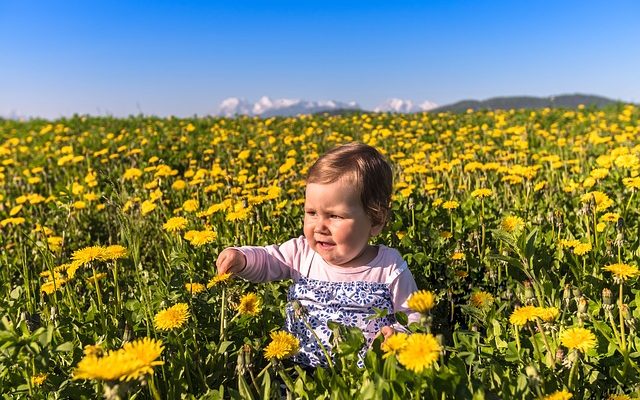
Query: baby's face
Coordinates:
[336,224]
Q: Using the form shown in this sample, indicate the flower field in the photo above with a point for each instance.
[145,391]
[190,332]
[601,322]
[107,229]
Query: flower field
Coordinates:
[521,229]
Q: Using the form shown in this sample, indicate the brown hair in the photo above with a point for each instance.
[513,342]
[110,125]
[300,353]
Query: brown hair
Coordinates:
[366,168]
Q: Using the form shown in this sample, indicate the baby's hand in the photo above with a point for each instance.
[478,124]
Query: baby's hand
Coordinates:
[387,332]
[230,260]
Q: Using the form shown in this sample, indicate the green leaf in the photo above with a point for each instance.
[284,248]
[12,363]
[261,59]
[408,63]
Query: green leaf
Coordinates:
[244,389]
[224,346]
[266,386]
[65,347]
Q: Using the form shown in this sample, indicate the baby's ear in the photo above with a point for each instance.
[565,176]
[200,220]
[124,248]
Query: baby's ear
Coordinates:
[376,229]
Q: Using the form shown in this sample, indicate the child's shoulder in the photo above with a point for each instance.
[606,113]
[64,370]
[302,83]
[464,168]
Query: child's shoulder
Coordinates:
[390,257]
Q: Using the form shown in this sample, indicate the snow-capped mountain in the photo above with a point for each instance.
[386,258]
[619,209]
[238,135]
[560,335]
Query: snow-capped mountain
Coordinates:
[267,107]
[404,106]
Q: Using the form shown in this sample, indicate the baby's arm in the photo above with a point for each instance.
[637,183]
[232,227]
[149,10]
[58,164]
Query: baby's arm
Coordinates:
[260,264]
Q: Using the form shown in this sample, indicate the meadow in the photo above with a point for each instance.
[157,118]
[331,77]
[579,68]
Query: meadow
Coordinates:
[521,228]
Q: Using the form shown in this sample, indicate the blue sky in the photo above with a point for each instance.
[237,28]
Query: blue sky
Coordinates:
[58,58]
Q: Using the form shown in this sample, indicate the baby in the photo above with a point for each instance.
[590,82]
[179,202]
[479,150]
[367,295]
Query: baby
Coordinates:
[338,276]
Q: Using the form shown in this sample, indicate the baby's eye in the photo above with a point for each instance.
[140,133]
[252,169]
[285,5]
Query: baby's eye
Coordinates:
[336,216]
[311,213]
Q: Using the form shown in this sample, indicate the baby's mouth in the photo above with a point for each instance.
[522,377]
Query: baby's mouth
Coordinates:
[324,245]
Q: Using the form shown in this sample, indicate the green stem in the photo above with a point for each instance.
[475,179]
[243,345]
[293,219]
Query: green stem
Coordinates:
[535,343]
[546,343]
[572,373]
[153,389]
[115,280]
[223,314]
[324,350]
[622,335]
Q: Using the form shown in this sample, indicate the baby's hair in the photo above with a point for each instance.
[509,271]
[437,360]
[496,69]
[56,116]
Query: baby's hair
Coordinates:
[363,166]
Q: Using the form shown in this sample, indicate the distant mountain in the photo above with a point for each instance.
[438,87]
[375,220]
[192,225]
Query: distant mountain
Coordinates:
[404,106]
[516,102]
[267,107]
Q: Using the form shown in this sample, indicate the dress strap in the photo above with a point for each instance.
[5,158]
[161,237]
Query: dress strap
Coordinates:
[305,269]
[396,272]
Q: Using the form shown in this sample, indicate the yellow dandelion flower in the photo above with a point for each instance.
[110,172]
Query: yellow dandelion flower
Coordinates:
[93,350]
[394,344]
[133,361]
[618,397]
[622,272]
[283,345]
[539,186]
[114,252]
[461,273]
[190,205]
[52,285]
[38,379]
[559,395]
[421,301]
[88,254]
[610,217]
[578,338]
[179,184]
[525,314]
[250,304]
[512,224]
[218,279]
[450,205]
[146,351]
[549,314]
[194,288]
[631,183]
[627,161]
[480,193]
[601,199]
[582,248]
[12,221]
[175,224]
[481,299]
[200,238]
[171,318]
[446,235]
[458,256]
[131,174]
[420,352]
[147,207]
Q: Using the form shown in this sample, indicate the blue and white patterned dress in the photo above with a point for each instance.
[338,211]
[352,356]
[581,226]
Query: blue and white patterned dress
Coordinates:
[351,304]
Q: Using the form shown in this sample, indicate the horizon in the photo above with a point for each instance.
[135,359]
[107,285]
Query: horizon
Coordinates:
[163,59]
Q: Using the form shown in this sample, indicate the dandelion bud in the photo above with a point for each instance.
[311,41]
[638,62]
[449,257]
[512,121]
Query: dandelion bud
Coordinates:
[559,354]
[626,314]
[532,374]
[411,204]
[240,365]
[440,339]
[298,308]
[529,295]
[577,293]
[246,350]
[619,239]
[583,306]
[53,313]
[127,335]
[607,299]
[566,294]
[620,224]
